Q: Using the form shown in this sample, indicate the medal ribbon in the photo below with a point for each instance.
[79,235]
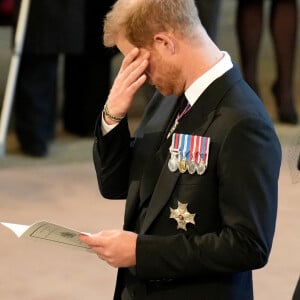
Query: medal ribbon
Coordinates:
[192,148]
[180,146]
[185,111]
[188,147]
[178,118]
[206,150]
[199,142]
[176,141]
[203,149]
[174,145]
[184,146]
[172,148]
[195,151]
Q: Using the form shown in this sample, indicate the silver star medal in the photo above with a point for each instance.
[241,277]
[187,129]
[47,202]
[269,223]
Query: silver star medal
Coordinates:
[182,215]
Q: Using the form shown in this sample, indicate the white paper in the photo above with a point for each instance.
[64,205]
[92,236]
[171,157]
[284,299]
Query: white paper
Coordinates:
[51,232]
[18,229]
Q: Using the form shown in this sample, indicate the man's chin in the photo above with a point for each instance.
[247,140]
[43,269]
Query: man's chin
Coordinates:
[167,92]
[164,93]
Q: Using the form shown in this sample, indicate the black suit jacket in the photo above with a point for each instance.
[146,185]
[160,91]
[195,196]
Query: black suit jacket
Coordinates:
[234,201]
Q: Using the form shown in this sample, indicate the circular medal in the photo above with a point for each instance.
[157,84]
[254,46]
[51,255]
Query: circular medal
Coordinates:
[192,168]
[201,168]
[172,164]
[182,166]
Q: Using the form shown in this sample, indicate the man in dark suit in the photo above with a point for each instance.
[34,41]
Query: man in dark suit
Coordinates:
[200,174]
[69,27]
[54,27]
[87,75]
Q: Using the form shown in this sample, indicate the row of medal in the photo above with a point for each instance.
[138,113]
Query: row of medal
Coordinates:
[189,153]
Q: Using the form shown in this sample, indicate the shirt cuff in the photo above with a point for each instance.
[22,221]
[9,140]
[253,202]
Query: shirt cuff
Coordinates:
[106,128]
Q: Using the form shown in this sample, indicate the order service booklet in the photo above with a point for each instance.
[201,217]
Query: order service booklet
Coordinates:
[51,232]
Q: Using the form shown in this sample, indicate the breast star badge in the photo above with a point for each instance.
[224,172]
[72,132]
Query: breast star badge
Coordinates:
[182,215]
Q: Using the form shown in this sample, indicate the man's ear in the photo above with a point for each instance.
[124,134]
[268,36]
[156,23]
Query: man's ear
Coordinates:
[164,40]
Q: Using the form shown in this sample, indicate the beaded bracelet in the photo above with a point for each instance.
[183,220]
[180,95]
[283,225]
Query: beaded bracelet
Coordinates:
[110,116]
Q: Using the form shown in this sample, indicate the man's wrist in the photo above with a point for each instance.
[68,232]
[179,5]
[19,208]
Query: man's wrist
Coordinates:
[110,118]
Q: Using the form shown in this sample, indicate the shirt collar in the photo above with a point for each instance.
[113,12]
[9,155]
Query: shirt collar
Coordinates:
[200,85]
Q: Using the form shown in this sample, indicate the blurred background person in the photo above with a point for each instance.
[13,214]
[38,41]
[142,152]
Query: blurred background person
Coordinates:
[87,75]
[71,27]
[283,28]
[6,12]
[209,13]
[54,27]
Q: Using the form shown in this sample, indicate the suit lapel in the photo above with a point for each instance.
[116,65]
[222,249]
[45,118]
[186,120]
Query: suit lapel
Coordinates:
[149,136]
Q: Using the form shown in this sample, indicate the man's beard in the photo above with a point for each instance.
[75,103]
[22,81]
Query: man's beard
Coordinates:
[169,81]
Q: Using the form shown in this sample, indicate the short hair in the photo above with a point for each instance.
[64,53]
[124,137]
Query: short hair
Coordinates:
[140,20]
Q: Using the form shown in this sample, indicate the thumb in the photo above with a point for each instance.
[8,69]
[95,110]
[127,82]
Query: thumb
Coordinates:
[85,238]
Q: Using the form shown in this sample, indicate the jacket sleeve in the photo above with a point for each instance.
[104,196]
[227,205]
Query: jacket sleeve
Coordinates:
[111,155]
